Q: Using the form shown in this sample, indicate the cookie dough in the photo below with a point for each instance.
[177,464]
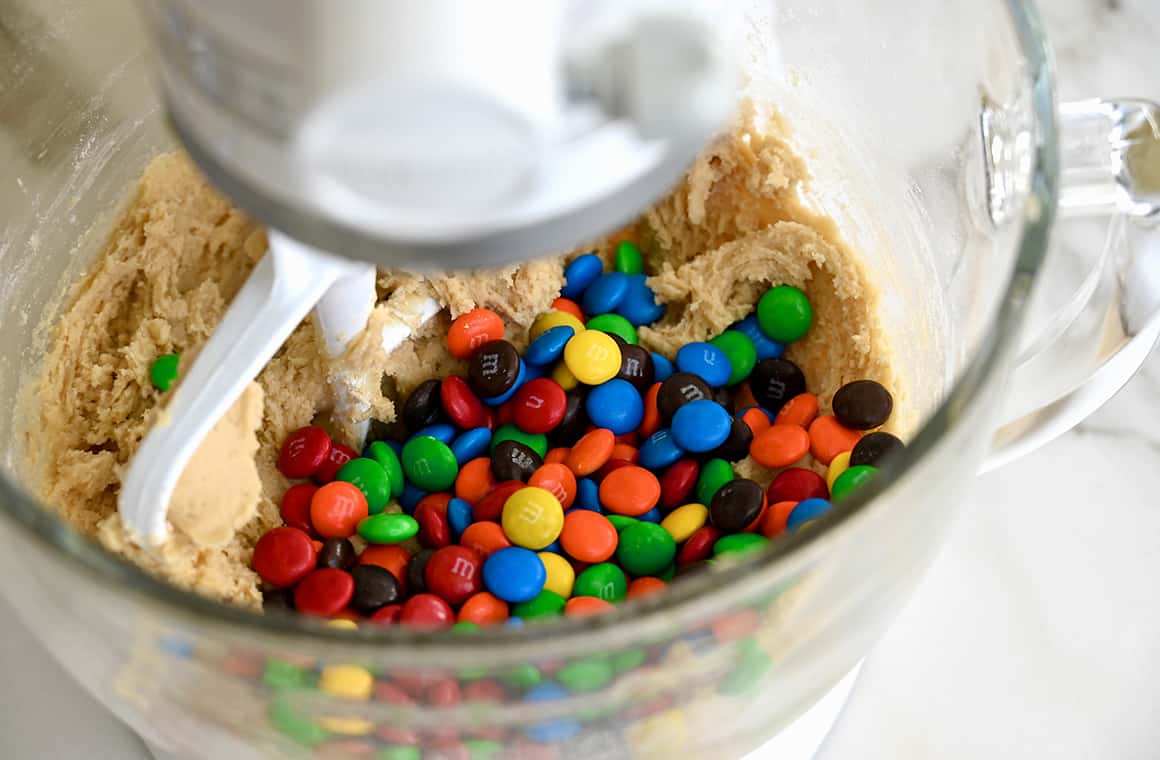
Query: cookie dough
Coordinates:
[180,251]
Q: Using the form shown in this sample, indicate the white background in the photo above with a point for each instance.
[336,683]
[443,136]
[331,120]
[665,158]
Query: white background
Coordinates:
[1036,632]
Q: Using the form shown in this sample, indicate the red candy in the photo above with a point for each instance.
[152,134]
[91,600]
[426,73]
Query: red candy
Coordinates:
[462,406]
[296,506]
[699,546]
[454,573]
[539,405]
[434,531]
[284,556]
[425,611]
[678,482]
[335,459]
[388,615]
[490,507]
[303,452]
[324,592]
[797,484]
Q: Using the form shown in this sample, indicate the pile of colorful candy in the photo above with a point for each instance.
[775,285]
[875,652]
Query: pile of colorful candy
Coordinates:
[585,472]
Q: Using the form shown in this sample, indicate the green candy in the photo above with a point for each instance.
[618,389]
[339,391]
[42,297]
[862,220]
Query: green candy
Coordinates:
[739,543]
[784,314]
[603,580]
[752,664]
[544,604]
[714,474]
[614,324]
[851,480]
[369,477]
[629,659]
[620,522]
[628,258]
[382,453]
[163,371]
[645,548]
[388,528]
[429,464]
[523,676]
[537,442]
[668,573]
[293,724]
[465,626]
[399,753]
[587,674]
[740,351]
[482,749]
[279,674]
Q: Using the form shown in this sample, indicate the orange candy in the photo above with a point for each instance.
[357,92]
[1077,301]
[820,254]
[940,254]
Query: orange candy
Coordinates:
[591,452]
[652,416]
[485,538]
[583,606]
[625,451]
[588,536]
[735,625]
[568,306]
[757,420]
[773,524]
[780,445]
[558,480]
[471,330]
[645,586]
[390,557]
[630,490]
[799,410]
[474,481]
[336,509]
[829,438]
[483,609]
[558,455]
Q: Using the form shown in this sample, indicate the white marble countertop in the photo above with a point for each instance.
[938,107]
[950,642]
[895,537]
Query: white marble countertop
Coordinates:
[1036,632]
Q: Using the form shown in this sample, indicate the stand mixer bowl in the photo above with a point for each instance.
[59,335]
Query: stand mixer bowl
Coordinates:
[888,105]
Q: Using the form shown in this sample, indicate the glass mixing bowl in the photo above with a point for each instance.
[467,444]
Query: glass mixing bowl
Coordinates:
[934,140]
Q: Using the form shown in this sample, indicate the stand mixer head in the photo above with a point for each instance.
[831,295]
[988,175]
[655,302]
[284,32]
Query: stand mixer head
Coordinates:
[443,135]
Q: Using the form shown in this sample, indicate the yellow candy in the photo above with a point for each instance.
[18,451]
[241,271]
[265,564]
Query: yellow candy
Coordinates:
[554,318]
[564,377]
[561,576]
[663,733]
[593,357]
[838,465]
[532,518]
[346,681]
[684,521]
[347,726]
[343,623]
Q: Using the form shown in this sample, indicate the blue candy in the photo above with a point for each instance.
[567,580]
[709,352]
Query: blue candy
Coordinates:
[459,516]
[554,547]
[553,730]
[652,516]
[471,444]
[514,574]
[443,431]
[605,294]
[805,511]
[639,305]
[531,372]
[766,348]
[662,368]
[702,425]
[615,405]
[549,346]
[660,450]
[521,378]
[410,498]
[581,272]
[706,361]
[587,495]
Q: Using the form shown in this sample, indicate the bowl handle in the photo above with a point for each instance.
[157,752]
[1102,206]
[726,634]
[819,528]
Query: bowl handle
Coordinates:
[1092,343]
